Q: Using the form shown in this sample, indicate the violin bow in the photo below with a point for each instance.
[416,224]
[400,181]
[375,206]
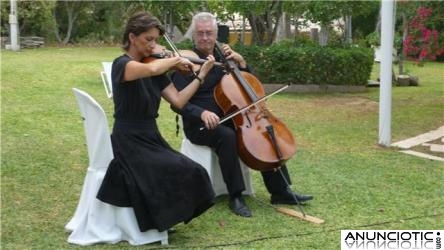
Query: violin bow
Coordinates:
[175,50]
[263,98]
[171,43]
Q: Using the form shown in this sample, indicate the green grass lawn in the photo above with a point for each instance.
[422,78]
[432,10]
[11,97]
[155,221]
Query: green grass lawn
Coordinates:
[357,184]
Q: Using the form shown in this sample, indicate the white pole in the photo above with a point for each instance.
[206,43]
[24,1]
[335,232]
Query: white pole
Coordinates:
[385,90]
[15,46]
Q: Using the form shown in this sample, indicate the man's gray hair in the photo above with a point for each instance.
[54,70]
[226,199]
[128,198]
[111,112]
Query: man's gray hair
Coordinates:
[203,17]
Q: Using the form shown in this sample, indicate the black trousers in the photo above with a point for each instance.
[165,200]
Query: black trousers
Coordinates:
[222,140]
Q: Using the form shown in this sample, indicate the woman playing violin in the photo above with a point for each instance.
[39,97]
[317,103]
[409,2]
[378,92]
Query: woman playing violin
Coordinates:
[163,186]
[202,108]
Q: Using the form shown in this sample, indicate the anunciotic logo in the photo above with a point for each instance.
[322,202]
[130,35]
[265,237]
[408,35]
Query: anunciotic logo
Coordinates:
[391,239]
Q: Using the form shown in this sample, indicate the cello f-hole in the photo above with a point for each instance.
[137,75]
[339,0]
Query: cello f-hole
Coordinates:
[249,121]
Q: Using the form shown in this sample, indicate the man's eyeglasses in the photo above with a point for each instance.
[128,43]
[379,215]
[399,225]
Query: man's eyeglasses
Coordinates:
[204,33]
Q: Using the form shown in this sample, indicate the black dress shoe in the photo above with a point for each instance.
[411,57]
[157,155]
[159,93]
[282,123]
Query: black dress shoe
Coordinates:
[287,198]
[238,206]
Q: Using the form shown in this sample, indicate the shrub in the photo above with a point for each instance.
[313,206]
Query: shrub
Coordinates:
[309,64]
[422,42]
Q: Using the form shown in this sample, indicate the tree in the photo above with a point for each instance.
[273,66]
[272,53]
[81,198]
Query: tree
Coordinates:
[263,16]
[326,12]
[65,17]
[96,21]
[323,13]
[175,13]
[34,17]
[294,12]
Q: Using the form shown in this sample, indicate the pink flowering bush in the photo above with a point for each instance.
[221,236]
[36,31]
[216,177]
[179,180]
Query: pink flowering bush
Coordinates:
[422,42]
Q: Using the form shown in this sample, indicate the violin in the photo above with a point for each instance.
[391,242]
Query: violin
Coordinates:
[264,141]
[160,52]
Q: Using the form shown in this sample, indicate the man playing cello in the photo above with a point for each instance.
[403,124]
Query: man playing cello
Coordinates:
[202,108]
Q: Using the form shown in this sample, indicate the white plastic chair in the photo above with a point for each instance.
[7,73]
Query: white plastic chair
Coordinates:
[209,160]
[106,78]
[95,221]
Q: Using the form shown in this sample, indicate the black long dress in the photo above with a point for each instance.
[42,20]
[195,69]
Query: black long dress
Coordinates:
[163,186]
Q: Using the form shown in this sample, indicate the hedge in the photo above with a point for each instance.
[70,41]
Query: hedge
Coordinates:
[281,63]
[306,64]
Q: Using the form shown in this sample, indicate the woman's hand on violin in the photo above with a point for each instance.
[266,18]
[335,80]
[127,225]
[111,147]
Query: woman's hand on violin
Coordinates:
[183,64]
[206,67]
[210,119]
[233,55]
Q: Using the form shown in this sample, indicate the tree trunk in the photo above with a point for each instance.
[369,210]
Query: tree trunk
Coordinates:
[405,31]
[348,30]
[72,9]
[56,26]
[287,25]
[263,27]
[284,30]
[257,28]
[71,19]
[295,33]
[314,35]
[378,23]
[242,35]
[323,35]
[273,27]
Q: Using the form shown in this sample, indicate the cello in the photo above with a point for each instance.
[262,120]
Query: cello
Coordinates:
[264,141]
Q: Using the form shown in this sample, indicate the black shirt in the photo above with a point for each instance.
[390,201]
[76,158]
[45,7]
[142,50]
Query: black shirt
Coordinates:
[203,99]
[138,100]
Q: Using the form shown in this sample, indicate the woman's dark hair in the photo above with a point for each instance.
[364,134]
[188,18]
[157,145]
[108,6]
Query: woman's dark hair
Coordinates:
[138,23]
